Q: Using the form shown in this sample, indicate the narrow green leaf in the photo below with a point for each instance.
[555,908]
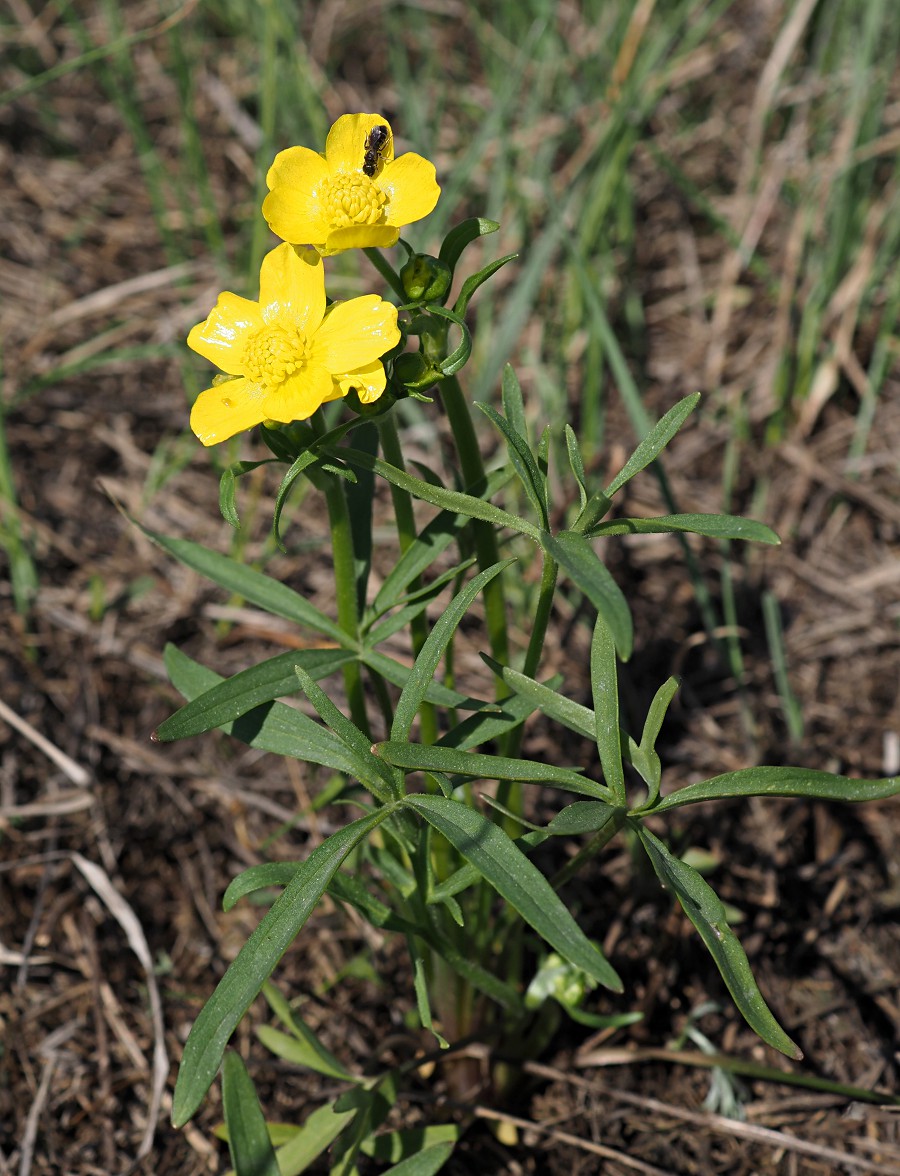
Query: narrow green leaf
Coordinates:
[422,673]
[235,696]
[575,556]
[716,526]
[516,879]
[462,235]
[420,986]
[523,462]
[298,466]
[490,723]
[424,1163]
[300,1053]
[584,816]
[703,907]
[398,675]
[605,686]
[513,401]
[316,1056]
[433,758]
[369,770]
[644,757]
[394,1146]
[257,588]
[251,1152]
[265,876]
[459,356]
[255,962]
[576,463]
[472,283]
[413,604]
[556,706]
[317,1134]
[655,442]
[450,500]
[228,488]
[274,727]
[769,781]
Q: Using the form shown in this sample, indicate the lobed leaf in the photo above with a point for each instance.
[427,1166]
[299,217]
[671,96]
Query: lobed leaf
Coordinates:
[523,462]
[556,706]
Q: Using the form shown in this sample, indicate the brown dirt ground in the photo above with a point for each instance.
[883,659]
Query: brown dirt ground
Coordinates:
[116,851]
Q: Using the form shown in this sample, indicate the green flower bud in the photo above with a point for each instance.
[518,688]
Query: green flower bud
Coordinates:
[413,371]
[426,278]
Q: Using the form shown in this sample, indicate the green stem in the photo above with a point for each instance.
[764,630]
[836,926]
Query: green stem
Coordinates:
[483,533]
[598,842]
[387,272]
[406,534]
[549,573]
[345,590]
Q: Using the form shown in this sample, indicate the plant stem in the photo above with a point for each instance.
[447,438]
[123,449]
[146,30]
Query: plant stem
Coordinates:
[406,534]
[549,572]
[483,533]
[387,272]
[598,842]
[345,591]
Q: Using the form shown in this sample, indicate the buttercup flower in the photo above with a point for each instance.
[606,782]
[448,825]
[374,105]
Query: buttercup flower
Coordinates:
[355,195]
[289,353]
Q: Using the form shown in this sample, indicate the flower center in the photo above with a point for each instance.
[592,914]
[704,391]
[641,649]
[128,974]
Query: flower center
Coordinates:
[274,353]
[353,199]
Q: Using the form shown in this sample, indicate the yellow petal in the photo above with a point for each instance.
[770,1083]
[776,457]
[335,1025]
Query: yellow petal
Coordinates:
[220,338]
[359,237]
[355,333]
[298,397]
[411,188]
[292,287]
[345,147]
[369,381]
[293,207]
[229,408]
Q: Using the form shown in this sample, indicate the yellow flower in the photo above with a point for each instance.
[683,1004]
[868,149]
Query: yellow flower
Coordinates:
[289,353]
[355,195]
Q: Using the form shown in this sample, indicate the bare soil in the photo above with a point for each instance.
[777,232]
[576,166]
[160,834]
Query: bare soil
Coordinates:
[116,850]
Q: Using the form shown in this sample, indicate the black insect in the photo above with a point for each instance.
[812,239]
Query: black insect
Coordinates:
[376,141]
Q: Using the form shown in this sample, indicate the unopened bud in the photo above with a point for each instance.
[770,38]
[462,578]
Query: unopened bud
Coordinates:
[426,278]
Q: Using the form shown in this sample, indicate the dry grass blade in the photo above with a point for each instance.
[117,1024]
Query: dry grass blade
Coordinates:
[127,920]
[65,763]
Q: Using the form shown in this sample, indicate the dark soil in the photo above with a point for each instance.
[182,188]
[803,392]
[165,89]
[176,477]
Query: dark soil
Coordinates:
[116,850]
